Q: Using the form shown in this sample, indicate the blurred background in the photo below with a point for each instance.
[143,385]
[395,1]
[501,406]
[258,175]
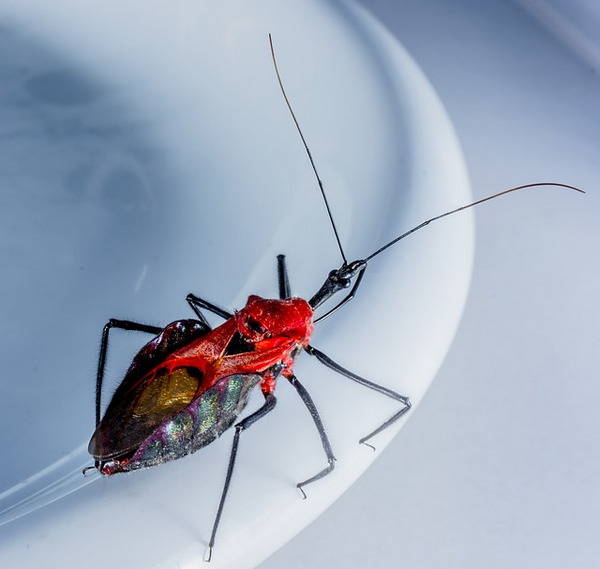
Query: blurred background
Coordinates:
[499,467]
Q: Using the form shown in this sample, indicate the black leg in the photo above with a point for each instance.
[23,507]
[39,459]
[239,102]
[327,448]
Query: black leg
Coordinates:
[196,303]
[282,277]
[124,325]
[268,405]
[198,312]
[326,360]
[347,298]
[306,398]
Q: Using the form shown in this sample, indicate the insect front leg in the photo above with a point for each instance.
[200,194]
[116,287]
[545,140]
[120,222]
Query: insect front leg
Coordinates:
[282,277]
[196,303]
[268,405]
[306,398]
[326,360]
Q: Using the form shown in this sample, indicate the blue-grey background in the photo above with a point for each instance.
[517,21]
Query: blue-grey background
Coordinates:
[100,151]
[499,466]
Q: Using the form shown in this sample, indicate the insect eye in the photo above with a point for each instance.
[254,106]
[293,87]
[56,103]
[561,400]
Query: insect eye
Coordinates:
[255,325]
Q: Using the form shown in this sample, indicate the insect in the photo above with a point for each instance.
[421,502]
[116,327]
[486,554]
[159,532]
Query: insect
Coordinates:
[191,382]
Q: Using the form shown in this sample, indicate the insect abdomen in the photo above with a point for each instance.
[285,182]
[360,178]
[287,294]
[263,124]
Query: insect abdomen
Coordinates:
[200,423]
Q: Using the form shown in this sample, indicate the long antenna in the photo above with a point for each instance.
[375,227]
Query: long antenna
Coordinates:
[421,225]
[312,162]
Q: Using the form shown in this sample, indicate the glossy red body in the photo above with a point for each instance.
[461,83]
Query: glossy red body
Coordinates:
[173,374]
[274,330]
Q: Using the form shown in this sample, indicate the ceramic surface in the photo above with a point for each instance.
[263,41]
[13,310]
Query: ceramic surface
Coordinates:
[147,153]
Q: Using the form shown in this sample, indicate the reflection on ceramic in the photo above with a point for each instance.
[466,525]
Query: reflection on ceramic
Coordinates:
[146,154]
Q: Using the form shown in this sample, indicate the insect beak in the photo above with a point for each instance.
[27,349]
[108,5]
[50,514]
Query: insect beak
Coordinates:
[337,280]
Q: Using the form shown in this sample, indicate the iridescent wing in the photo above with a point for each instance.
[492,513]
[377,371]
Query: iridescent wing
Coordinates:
[146,398]
[200,423]
[131,418]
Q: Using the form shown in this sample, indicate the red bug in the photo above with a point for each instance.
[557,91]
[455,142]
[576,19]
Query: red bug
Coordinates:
[190,383]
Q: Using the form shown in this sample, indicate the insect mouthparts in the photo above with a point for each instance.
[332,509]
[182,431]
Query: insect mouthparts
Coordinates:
[337,280]
[348,271]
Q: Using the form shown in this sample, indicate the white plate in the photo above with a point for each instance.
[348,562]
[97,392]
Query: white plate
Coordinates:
[147,153]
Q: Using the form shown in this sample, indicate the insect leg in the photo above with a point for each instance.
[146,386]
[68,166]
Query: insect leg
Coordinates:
[326,360]
[196,303]
[198,313]
[268,405]
[282,277]
[124,325]
[306,398]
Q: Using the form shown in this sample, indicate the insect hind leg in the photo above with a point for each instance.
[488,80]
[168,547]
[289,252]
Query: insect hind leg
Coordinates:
[406,405]
[123,325]
[268,405]
[283,280]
